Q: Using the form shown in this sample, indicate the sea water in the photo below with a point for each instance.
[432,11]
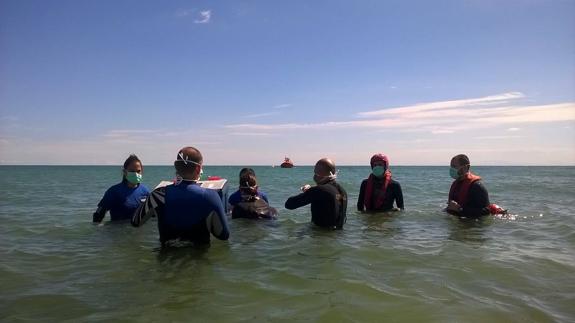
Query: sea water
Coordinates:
[417,265]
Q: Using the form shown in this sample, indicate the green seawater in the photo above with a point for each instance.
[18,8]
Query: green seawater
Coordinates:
[419,265]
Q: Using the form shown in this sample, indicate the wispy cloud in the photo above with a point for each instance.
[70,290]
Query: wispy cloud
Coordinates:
[259,115]
[282,106]
[199,16]
[204,17]
[255,134]
[277,109]
[443,116]
[445,105]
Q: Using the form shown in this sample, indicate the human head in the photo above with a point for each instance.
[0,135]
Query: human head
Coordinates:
[188,163]
[461,164]
[248,184]
[245,171]
[379,160]
[132,164]
[324,168]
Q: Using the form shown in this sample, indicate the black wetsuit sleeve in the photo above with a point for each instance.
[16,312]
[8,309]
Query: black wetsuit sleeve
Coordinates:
[99,215]
[153,207]
[478,201]
[216,220]
[398,196]
[361,197]
[300,200]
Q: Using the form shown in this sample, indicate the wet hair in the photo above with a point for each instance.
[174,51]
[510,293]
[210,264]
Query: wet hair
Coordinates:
[132,158]
[462,159]
[187,160]
[244,171]
[248,183]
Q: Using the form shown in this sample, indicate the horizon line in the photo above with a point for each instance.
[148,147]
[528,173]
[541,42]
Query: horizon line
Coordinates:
[305,165]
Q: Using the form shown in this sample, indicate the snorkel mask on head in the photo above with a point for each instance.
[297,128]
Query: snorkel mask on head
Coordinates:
[185,159]
[246,188]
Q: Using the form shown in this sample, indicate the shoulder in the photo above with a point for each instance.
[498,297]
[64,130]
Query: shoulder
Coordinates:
[211,195]
[143,188]
[116,188]
[478,184]
[394,183]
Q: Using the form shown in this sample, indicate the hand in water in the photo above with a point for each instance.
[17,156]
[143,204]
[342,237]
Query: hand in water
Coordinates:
[453,206]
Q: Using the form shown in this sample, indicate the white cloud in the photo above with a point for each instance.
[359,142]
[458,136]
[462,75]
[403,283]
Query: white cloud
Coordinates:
[444,105]
[441,117]
[204,17]
[513,129]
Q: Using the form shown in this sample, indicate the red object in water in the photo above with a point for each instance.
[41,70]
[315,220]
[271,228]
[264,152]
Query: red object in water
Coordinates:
[287,163]
[496,209]
[214,178]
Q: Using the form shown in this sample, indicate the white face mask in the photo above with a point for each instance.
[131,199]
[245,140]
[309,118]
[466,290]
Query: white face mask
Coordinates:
[180,178]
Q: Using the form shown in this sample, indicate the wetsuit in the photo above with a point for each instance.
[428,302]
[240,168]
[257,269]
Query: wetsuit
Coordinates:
[236,197]
[477,203]
[328,204]
[253,207]
[122,201]
[186,212]
[392,193]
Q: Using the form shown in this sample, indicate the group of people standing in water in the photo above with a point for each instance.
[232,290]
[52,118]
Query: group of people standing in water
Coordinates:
[188,212]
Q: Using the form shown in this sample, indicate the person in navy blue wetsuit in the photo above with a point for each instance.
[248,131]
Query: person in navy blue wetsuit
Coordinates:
[236,197]
[251,204]
[124,198]
[185,211]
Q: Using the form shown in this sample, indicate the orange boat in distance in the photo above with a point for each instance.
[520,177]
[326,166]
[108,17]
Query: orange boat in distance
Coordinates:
[287,163]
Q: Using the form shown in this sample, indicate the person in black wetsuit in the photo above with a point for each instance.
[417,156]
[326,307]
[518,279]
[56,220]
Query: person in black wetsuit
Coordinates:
[328,199]
[251,204]
[185,210]
[468,196]
[379,190]
[124,198]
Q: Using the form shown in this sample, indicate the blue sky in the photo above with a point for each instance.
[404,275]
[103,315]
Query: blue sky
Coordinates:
[248,82]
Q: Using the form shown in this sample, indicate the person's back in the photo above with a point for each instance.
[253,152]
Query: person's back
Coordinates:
[328,204]
[187,208]
[185,211]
